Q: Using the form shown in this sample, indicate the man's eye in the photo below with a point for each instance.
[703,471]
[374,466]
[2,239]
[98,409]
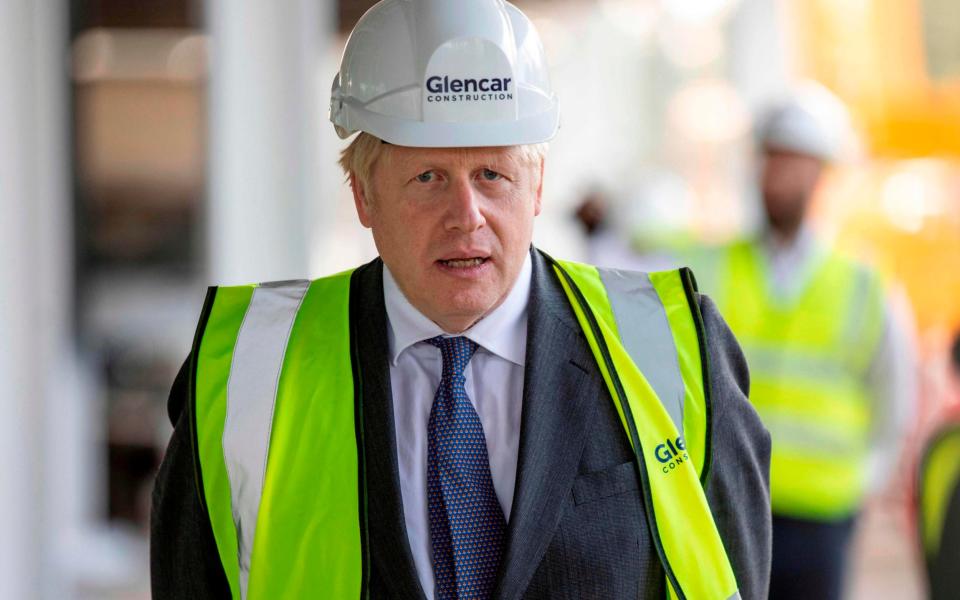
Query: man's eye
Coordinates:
[425,177]
[491,175]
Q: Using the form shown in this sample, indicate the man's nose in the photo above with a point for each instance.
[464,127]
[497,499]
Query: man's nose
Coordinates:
[463,212]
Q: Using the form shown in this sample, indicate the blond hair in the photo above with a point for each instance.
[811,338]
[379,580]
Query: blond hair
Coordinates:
[360,157]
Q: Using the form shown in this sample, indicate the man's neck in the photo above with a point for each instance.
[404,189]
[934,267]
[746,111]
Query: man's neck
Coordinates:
[783,236]
[457,325]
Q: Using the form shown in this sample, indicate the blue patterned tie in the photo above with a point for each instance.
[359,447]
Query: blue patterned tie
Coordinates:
[466,522]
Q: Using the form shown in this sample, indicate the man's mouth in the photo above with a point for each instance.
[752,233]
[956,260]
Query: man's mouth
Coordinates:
[463,263]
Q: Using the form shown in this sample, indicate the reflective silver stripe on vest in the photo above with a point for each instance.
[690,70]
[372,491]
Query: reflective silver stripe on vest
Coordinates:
[646,336]
[251,394]
[735,596]
[860,309]
[767,361]
[812,439]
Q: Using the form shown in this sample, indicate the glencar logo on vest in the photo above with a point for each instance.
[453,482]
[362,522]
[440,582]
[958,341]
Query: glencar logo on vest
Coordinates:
[453,89]
[671,454]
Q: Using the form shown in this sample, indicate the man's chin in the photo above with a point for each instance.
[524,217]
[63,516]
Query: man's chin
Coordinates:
[465,309]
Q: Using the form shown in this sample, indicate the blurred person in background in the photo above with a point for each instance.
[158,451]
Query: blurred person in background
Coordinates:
[831,357]
[832,365]
[606,247]
[464,416]
[938,495]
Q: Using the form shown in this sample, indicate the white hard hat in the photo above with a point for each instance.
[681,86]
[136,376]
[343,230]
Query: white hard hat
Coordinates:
[444,73]
[812,121]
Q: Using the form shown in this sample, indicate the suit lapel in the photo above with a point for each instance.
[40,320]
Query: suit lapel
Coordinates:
[387,543]
[559,396]
[560,391]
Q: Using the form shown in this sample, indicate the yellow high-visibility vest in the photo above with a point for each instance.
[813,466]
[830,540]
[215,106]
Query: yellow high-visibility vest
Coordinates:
[937,482]
[808,356]
[276,408]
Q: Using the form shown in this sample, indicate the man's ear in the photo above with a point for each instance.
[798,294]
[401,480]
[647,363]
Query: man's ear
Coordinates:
[538,203]
[361,201]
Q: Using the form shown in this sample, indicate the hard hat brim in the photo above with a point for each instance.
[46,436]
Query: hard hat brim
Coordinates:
[533,129]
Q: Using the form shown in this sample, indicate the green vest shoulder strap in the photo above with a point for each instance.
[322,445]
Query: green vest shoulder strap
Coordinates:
[662,398]
[276,377]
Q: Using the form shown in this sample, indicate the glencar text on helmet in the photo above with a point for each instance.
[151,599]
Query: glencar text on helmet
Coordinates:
[447,89]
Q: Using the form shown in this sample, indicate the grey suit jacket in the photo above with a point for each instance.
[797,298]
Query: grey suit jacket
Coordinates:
[578,527]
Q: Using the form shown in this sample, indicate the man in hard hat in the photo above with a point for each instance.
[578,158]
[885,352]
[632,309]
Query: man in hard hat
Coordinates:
[465,416]
[831,362]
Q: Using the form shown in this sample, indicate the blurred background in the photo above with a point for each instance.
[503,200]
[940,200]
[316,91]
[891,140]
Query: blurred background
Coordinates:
[151,148]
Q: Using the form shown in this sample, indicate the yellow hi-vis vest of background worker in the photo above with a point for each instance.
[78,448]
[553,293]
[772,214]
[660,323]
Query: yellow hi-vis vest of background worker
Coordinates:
[276,404]
[808,356]
[938,504]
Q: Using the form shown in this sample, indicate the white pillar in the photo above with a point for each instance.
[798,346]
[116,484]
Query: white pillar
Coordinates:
[265,110]
[35,297]
[760,48]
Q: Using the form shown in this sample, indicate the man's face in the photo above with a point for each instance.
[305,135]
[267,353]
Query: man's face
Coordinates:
[788,182]
[453,225]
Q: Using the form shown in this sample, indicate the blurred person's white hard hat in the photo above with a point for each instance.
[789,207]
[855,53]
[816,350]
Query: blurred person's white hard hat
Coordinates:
[812,121]
[444,73]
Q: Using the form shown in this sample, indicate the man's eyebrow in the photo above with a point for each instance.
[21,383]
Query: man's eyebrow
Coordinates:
[485,160]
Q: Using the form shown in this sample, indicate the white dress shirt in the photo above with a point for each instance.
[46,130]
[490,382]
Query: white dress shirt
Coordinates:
[494,383]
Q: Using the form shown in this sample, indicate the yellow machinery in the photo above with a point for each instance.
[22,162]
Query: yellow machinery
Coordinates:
[896,63]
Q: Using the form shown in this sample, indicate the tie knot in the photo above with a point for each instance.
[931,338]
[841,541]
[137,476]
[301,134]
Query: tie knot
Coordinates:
[455,351]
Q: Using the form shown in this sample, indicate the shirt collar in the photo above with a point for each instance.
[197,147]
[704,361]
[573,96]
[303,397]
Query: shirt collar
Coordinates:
[502,332]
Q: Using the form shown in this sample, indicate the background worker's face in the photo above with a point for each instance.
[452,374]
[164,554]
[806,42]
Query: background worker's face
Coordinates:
[787,185]
[453,225]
